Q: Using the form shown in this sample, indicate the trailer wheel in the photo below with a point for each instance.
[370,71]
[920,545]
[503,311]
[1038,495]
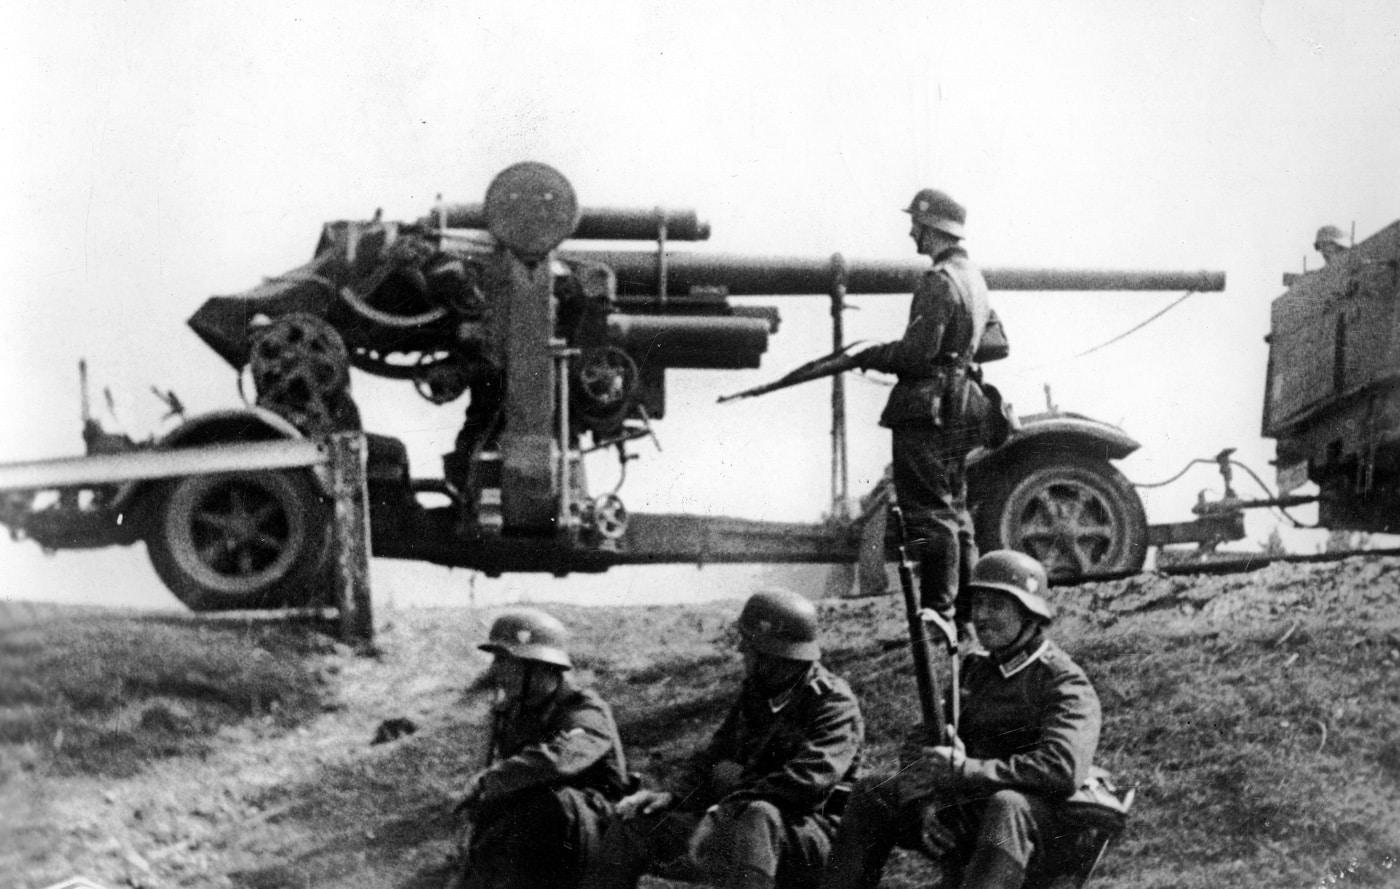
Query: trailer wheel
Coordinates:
[1076,514]
[241,540]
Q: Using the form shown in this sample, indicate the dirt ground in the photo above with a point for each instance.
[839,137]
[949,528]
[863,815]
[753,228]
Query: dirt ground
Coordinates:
[292,792]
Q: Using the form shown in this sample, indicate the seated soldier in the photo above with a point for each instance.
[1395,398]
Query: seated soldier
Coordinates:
[535,813]
[753,808]
[990,802]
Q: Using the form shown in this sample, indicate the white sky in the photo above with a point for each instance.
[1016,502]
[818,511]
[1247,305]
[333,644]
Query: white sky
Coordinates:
[153,154]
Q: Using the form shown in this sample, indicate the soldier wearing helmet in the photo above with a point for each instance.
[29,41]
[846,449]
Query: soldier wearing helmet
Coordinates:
[758,805]
[988,803]
[936,411]
[1331,243]
[555,764]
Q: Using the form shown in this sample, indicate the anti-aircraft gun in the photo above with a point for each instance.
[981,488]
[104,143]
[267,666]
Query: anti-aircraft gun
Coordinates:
[560,321]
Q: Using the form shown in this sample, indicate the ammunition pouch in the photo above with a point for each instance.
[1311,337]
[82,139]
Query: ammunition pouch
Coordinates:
[917,401]
[954,399]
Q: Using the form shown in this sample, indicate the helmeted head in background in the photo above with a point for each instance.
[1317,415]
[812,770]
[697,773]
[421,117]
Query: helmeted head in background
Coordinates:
[936,210]
[1330,242]
[780,624]
[1329,234]
[530,634]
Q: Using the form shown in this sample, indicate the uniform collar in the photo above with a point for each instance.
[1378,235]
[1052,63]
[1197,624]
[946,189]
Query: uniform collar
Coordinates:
[781,700]
[948,253]
[542,707]
[1025,654]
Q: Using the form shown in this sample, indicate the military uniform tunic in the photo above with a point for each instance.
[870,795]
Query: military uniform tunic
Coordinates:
[752,805]
[931,436]
[540,807]
[1030,725]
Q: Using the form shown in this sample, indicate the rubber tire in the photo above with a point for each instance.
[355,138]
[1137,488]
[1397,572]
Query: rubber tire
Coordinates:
[287,567]
[1027,510]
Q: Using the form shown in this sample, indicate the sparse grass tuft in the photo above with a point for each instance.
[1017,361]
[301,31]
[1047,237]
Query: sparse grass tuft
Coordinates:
[106,696]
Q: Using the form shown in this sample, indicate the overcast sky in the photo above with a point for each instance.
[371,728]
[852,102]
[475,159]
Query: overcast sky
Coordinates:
[158,153]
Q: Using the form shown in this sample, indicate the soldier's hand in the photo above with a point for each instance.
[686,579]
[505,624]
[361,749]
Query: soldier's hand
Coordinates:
[928,770]
[943,758]
[644,802]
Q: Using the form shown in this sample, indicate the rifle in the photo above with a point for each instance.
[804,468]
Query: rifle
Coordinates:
[921,644]
[467,832]
[837,362]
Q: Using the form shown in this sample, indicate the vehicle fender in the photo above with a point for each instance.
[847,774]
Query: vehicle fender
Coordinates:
[217,427]
[229,425]
[1074,433]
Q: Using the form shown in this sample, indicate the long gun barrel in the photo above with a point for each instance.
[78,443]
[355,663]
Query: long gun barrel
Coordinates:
[920,645]
[639,274]
[595,223]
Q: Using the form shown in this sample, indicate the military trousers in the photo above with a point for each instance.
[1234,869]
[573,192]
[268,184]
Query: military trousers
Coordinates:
[542,838]
[930,486]
[1007,825]
[748,845]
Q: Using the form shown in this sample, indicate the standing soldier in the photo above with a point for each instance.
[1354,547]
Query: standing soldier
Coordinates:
[990,801]
[535,813]
[933,412]
[757,807]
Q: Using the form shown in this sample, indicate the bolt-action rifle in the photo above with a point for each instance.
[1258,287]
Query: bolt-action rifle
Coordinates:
[837,362]
[921,643]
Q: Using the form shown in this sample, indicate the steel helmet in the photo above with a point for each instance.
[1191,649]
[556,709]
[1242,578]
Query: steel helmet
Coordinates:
[1017,574]
[531,635]
[780,623]
[936,209]
[1329,234]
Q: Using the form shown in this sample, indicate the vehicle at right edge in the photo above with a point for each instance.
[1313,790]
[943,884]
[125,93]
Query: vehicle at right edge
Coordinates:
[1332,396]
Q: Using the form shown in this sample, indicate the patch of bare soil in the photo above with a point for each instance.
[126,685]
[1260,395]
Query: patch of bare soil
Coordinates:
[1258,715]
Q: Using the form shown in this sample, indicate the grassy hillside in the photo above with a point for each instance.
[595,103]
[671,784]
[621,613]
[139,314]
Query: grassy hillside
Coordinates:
[1258,716]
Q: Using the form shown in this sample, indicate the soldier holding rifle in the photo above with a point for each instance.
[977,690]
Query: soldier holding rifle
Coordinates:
[935,410]
[991,798]
[534,815]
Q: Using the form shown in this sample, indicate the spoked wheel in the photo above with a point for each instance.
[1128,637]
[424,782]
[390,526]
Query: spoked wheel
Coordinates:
[606,383]
[301,369]
[1077,515]
[241,540]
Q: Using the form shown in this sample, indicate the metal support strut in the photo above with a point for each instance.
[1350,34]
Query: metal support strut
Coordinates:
[840,480]
[350,585]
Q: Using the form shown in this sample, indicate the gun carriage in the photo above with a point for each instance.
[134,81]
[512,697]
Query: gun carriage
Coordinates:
[560,322]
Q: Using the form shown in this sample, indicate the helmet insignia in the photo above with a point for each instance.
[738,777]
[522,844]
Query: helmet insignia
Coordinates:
[522,636]
[1032,585]
[765,627]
